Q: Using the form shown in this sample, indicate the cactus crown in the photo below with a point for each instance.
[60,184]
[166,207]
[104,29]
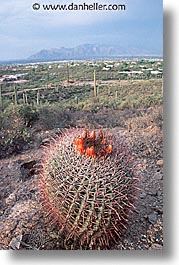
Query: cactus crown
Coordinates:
[93,146]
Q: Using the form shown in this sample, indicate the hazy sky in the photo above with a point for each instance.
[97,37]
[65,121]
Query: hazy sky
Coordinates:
[24,31]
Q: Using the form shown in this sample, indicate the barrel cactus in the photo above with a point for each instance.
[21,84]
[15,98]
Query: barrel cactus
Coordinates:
[89,187]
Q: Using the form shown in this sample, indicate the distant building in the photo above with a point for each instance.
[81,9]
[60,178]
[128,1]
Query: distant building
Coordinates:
[12,78]
[9,78]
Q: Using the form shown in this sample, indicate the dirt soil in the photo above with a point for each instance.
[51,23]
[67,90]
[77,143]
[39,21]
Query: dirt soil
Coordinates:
[22,225]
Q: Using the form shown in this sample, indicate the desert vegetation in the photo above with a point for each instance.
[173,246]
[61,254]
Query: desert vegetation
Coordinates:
[51,98]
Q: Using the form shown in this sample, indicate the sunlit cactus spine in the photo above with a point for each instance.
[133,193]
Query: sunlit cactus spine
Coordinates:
[88,186]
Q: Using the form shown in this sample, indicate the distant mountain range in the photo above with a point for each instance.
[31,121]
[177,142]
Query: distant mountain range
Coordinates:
[89,51]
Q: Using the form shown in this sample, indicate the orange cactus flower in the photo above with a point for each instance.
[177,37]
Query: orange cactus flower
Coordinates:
[80,148]
[109,149]
[78,141]
[87,153]
[75,142]
[85,134]
[92,135]
[90,151]
[91,146]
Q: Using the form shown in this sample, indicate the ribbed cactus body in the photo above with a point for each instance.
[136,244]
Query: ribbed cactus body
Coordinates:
[89,196]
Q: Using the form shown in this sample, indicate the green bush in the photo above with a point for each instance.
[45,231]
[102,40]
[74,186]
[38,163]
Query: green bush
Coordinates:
[15,136]
[29,114]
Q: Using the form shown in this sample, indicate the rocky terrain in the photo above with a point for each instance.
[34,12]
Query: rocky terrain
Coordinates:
[22,222]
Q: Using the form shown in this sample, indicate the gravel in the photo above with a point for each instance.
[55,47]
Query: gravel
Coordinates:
[22,223]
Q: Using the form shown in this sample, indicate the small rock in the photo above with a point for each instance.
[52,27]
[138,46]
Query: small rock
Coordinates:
[152,192]
[159,193]
[159,210]
[160,162]
[153,217]
[143,238]
[157,247]
[45,142]
[145,216]
[1,212]
[154,204]
[143,195]
[158,176]
[144,167]
[25,147]
[19,161]
[27,169]
[15,242]
[11,198]
[10,165]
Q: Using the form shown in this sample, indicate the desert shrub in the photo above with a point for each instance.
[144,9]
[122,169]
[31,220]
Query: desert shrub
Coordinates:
[146,118]
[15,136]
[29,114]
[157,116]
[53,116]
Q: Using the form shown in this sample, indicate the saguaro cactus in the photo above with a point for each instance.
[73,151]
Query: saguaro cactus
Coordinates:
[1,100]
[15,96]
[38,97]
[95,90]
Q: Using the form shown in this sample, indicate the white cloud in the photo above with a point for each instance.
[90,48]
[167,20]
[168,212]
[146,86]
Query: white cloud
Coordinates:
[24,30]
[13,10]
[18,19]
